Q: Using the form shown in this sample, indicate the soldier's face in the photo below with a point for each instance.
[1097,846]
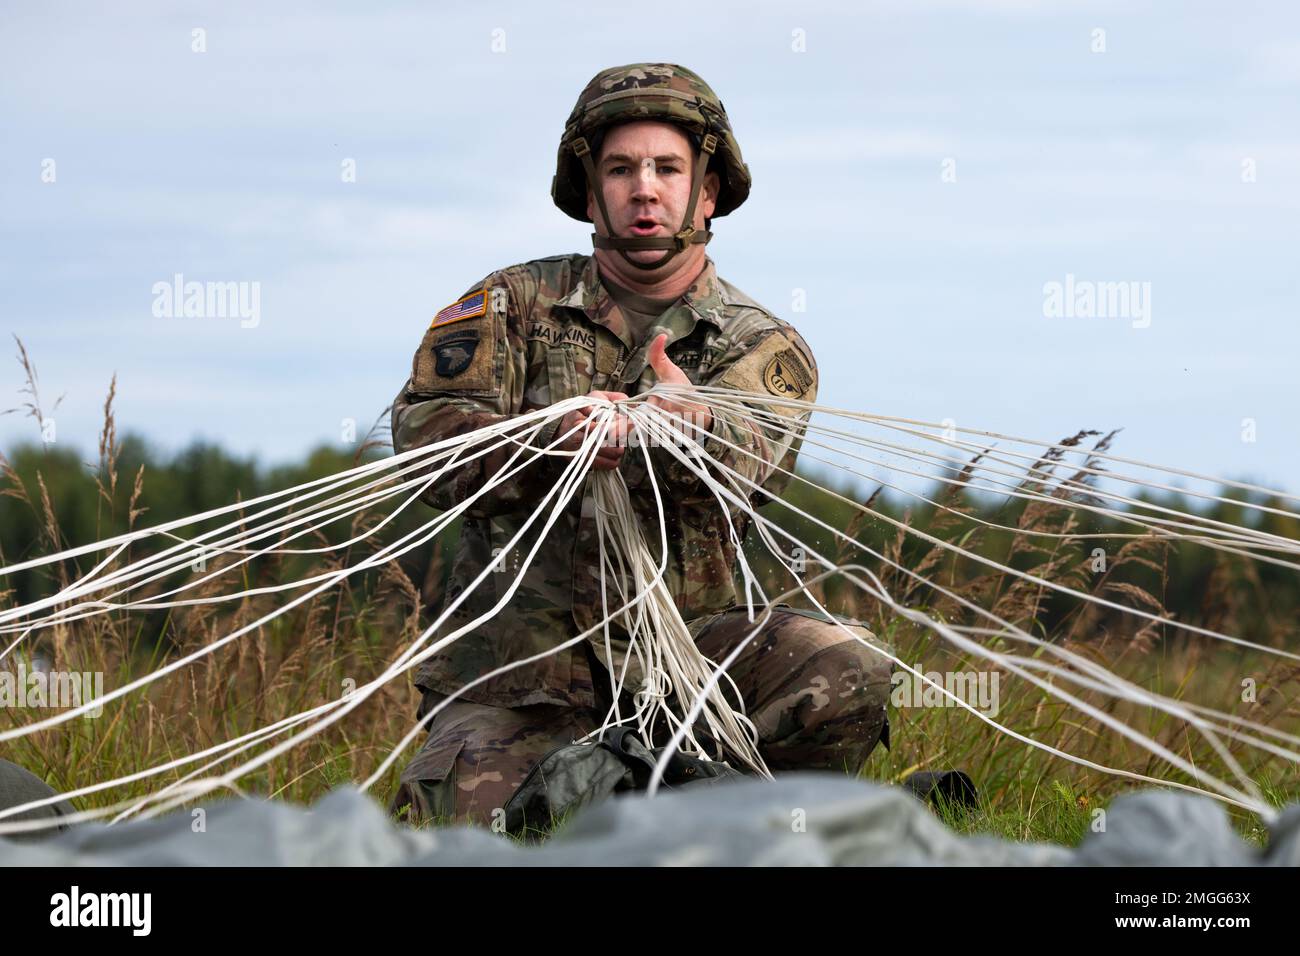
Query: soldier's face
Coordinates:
[645,172]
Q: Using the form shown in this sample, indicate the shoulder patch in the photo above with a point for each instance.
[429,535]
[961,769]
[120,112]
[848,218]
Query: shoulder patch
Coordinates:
[470,307]
[786,375]
[459,359]
[775,366]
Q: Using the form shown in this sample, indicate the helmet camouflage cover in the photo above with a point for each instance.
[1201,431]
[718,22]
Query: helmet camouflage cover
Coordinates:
[649,91]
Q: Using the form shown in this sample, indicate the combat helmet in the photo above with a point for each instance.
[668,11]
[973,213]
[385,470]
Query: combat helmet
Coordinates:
[649,91]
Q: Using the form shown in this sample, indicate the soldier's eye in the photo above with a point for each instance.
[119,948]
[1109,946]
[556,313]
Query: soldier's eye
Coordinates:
[668,169]
[617,170]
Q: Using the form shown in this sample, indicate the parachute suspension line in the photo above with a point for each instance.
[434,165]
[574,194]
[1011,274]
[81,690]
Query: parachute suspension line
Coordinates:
[412,540]
[173,560]
[648,647]
[669,667]
[1115,685]
[1002,568]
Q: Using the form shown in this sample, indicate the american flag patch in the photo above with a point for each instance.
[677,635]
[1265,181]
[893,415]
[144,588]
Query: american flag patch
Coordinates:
[466,308]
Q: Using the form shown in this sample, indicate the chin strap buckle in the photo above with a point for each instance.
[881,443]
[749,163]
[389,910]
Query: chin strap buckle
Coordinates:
[683,237]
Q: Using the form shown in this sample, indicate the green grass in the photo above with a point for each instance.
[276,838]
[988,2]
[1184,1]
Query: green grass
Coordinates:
[303,658]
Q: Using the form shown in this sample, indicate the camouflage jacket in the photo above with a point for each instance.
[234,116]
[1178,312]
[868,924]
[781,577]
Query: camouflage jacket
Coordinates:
[537,333]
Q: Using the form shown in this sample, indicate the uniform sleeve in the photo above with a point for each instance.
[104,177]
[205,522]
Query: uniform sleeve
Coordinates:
[776,363]
[469,372]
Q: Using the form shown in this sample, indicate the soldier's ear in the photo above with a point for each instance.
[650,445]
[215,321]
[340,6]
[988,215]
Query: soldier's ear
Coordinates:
[709,194]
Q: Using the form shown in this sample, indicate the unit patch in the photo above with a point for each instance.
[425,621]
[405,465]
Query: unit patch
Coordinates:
[454,351]
[775,366]
[462,358]
[786,375]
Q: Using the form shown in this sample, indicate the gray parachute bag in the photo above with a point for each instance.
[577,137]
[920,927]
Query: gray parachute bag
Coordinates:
[19,786]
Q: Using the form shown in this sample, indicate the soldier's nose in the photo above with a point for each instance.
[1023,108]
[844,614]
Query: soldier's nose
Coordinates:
[646,184]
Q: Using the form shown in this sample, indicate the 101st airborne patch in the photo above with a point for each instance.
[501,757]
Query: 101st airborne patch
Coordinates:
[454,351]
[462,358]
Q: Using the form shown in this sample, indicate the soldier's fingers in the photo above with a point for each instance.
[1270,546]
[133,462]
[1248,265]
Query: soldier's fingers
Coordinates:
[597,421]
[667,406]
[657,351]
[611,451]
[584,418]
[564,432]
[664,367]
[571,427]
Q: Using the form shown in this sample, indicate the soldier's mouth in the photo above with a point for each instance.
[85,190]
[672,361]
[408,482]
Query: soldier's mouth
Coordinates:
[644,227]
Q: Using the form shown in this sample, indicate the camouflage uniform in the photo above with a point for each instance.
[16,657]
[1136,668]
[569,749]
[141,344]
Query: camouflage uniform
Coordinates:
[543,331]
[817,695]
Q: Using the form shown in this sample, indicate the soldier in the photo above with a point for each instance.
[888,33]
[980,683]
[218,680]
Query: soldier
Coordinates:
[648,155]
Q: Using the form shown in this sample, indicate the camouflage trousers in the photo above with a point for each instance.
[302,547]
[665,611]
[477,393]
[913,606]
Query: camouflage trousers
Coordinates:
[816,694]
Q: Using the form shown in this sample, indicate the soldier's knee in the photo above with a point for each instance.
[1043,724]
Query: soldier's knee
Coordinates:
[475,757]
[847,674]
[834,711]
[863,669]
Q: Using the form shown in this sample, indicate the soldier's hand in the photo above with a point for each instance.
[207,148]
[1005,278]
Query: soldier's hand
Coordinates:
[580,422]
[666,371]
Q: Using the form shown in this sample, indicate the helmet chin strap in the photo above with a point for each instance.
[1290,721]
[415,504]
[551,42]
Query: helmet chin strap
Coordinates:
[677,243]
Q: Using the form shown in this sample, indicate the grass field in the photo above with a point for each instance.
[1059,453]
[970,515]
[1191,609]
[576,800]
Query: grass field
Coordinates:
[318,651]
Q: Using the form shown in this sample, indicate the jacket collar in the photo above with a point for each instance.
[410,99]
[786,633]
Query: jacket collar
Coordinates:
[704,300]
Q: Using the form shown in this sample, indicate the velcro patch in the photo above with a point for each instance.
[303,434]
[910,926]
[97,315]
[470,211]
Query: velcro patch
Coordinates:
[774,366]
[786,375]
[458,360]
[469,307]
[454,351]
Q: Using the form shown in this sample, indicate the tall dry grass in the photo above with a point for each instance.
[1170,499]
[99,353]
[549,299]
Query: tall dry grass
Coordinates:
[344,637]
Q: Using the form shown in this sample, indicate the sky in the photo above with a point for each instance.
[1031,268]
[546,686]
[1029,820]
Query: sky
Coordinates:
[924,172]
